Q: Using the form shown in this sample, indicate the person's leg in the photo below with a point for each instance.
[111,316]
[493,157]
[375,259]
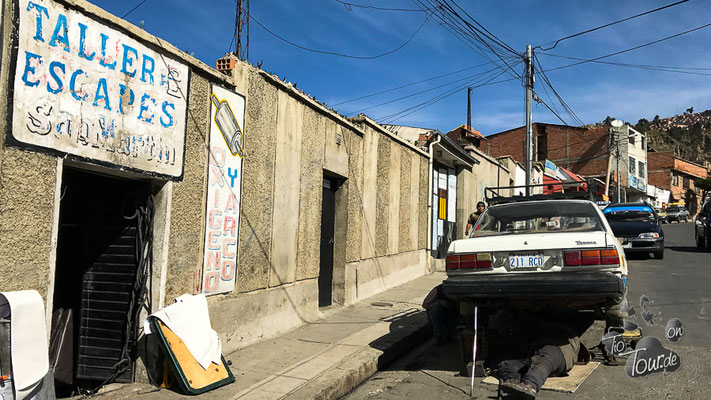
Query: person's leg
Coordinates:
[437,316]
[546,362]
[511,370]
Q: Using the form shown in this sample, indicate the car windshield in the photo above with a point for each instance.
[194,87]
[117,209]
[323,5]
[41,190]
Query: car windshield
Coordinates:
[674,209]
[538,217]
[627,215]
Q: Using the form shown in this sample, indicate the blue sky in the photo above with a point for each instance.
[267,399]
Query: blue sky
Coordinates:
[593,91]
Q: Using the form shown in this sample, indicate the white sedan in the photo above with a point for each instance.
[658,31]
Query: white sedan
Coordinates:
[536,253]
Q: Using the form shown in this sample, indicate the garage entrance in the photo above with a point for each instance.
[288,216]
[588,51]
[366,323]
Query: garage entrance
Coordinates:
[103,271]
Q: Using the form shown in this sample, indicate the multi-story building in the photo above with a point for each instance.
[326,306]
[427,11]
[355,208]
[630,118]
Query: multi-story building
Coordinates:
[667,171]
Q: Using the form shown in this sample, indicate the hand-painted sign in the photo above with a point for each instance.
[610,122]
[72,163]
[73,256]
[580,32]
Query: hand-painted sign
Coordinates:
[550,169]
[224,191]
[85,89]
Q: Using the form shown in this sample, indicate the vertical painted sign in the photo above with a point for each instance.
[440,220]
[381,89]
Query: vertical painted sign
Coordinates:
[224,187]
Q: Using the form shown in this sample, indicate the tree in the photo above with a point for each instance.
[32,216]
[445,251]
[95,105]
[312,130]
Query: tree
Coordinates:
[703,184]
[689,111]
[656,119]
[642,125]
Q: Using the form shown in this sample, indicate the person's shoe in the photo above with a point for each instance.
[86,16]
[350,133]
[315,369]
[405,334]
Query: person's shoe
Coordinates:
[519,390]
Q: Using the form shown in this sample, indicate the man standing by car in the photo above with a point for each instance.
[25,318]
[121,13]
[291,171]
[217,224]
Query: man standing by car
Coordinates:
[471,223]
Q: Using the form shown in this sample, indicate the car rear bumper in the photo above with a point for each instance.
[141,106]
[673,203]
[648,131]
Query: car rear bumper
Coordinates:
[644,245]
[592,287]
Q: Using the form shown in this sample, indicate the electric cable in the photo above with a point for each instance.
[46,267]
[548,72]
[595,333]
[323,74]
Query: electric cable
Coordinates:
[679,70]
[467,78]
[348,5]
[631,48]
[610,24]
[408,85]
[133,9]
[333,53]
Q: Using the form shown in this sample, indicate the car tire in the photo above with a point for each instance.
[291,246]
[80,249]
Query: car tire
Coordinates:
[659,255]
[699,241]
[707,238]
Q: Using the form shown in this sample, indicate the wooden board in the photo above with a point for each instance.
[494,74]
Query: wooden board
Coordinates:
[567,384]
[189,372]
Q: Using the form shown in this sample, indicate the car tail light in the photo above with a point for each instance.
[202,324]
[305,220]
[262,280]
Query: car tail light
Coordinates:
[452,262]
[469,261]
[483,260]
[572,258]
[609,256]
[591,257]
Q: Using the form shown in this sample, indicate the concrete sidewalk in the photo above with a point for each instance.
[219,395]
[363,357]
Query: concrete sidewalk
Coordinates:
[321,360]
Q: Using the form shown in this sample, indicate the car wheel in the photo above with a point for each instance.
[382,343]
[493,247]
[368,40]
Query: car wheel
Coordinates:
[659,255]
[699,241]
[708,242]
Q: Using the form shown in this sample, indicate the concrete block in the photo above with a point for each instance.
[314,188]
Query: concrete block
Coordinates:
[257,185]
[285,221]
[394,221]
[404,240]
[382,202]
[310,194]
[369,193]
[187,227]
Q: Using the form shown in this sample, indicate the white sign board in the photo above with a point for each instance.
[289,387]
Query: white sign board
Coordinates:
[85,89]
[452,196]
[224,191]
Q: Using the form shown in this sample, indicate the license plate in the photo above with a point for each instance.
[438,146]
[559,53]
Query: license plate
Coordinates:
[528,260]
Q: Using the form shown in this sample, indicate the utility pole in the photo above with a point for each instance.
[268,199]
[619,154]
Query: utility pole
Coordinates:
[242,28]
[469,108]
[529,133]
[617,144]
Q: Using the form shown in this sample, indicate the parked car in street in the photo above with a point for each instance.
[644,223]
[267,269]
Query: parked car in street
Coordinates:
[537,253]
[661,214]
[702,227]
[677,213]
[637,227]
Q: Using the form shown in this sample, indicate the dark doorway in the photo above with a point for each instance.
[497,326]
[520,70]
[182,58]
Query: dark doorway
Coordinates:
[102,273]
[328,218]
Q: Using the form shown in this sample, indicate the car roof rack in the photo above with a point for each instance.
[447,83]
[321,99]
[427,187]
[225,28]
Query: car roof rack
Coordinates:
[580,190]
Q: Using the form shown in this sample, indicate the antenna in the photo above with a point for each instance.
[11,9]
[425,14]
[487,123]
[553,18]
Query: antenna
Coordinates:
[242,27]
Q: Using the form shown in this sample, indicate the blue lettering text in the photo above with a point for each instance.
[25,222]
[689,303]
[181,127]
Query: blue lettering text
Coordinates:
[104,60]
[101,87]
[82,43]
[165,107]
[72,85]
[128,61]
[53,72]
[61,33]
[40,10]
[147,60]
[30,69]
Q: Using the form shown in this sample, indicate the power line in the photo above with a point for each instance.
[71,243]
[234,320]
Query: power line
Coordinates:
[477,32]
[401,114]
[679,70]
[407,85]
[611,23]
[630,49]
[565,105]
[133,9]
[467,78]
[349,5]
[336,53]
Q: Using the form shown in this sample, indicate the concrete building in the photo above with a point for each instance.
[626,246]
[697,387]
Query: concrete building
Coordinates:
[666,171]
[132,173]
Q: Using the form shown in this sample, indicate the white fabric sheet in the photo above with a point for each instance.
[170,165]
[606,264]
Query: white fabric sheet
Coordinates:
[28,340]
[189,319]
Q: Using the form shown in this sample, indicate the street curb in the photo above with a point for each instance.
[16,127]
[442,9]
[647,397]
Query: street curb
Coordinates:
[350,373]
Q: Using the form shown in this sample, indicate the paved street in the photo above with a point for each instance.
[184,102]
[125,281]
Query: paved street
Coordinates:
[678,286]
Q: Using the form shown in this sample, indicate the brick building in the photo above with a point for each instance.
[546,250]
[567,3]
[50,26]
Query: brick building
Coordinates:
[667,171]
[581,150]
